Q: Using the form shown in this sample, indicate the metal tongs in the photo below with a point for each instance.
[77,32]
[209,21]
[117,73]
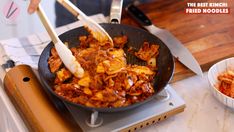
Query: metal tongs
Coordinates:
[64,53]
[96,30]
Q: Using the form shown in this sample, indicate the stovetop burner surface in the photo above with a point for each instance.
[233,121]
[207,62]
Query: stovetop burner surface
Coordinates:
[166,104]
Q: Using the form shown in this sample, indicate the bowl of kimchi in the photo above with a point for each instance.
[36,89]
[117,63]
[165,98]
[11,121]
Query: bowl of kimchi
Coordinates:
[221,80]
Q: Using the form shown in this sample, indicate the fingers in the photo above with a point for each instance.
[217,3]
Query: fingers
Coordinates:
[33,6]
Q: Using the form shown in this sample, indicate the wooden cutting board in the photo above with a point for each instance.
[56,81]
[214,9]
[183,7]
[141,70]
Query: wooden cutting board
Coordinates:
[210,37]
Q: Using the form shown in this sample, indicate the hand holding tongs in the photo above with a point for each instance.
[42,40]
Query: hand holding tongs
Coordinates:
[96,30]
[64,53]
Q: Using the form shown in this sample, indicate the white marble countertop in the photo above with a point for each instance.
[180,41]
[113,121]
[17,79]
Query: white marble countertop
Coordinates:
[203,113]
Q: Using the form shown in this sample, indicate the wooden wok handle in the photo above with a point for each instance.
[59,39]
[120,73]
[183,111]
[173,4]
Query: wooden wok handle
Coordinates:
[31,102]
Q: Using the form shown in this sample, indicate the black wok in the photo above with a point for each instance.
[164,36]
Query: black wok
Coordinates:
[136,37]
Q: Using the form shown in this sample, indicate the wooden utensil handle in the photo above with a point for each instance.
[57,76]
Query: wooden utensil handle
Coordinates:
[30,100]
[70,7]
[45,21]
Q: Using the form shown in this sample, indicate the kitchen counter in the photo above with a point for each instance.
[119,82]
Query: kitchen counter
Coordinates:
[203,112]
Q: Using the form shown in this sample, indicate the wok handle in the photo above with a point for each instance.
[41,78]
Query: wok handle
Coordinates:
[27,95]
[116,11]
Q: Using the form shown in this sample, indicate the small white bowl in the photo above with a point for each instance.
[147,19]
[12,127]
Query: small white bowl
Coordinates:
[214,71]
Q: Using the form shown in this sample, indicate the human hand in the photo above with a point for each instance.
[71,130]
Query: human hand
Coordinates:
[33,6]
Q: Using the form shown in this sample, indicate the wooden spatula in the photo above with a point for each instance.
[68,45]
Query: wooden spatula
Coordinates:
[97,31]
[64,53]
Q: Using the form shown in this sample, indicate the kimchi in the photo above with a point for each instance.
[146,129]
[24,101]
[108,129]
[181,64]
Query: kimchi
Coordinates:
[226,84]
[108,80]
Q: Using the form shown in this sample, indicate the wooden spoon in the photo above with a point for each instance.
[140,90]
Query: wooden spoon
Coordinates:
[64,53]
[97,31]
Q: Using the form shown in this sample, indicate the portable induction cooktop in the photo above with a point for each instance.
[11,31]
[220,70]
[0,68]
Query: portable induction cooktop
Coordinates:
[166,104]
